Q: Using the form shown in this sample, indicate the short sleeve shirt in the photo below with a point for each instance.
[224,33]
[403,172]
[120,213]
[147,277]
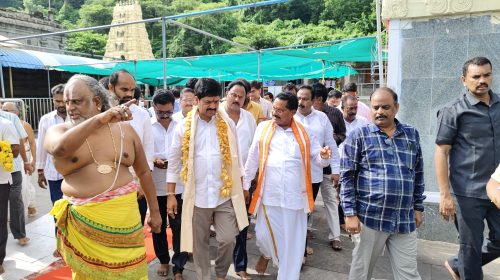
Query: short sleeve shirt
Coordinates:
[9,134]
[472,128]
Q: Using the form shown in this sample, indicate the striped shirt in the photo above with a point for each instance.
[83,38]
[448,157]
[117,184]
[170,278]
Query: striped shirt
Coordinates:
[43,159]
[382,178]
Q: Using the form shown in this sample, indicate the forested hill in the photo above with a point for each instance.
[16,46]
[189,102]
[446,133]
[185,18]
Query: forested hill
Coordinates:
[296,22]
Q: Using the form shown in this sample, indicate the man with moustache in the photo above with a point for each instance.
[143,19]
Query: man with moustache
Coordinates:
[283,153]
[99,232]
[467,153]
[352,120]
[47,173]
[245,129]
[382,190]
[122,87]
[163,130]
[321,130]
[330,180]
[351,89]
[204,155]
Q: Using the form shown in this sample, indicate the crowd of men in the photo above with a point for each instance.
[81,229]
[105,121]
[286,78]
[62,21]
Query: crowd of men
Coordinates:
[195,162]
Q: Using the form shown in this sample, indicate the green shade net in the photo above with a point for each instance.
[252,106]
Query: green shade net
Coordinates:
[286,64]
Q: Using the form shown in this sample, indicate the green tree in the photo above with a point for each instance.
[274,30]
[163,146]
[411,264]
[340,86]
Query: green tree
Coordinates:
[94,13]
[67,15]
[188,43]
[86,42]
[30,6]
[16,4]
[342,11]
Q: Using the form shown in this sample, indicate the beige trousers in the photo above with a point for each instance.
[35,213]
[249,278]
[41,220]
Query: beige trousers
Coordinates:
[226,229]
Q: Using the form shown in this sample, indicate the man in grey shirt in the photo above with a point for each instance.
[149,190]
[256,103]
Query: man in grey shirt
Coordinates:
[467,128]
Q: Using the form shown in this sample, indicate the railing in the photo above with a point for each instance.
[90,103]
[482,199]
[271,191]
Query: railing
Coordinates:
[32,109]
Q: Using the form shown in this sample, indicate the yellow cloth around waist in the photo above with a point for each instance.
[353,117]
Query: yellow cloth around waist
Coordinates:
[102,240]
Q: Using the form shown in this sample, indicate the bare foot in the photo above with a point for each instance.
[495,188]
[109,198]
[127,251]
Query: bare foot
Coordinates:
[2,270]
[243,275]
[31,211]
[309,250]
[163,270]
[178,276]
[261,265]
[23,241]
[249,236]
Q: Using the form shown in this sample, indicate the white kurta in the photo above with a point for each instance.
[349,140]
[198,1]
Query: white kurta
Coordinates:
[192,190]
[320,127]
[284,199]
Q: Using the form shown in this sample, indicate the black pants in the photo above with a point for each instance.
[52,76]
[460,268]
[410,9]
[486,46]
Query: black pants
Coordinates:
[4,203]
[475,250]
[179,259]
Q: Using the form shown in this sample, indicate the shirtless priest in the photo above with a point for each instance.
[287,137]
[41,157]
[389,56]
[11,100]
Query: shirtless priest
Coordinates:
[99,231]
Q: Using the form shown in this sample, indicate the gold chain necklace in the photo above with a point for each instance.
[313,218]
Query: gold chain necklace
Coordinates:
[104,168]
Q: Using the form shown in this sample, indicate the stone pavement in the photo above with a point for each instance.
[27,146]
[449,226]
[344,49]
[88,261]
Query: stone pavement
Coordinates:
[324,264]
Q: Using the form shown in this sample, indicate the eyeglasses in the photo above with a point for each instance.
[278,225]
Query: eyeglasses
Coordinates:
[235,96]
[280,111]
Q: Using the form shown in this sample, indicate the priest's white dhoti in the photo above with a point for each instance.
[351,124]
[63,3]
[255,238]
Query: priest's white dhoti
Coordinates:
[281,235]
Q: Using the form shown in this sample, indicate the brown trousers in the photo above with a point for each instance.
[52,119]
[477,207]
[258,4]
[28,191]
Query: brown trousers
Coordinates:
[226,229]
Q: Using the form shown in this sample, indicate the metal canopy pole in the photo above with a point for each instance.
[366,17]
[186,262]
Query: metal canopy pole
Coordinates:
[1,80]
[164,48]
[48,80]
[11,86]
[379,45]
[258,65]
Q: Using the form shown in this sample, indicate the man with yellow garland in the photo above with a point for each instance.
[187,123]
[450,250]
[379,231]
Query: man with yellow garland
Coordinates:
[99,232]
[204,152]
[283,152]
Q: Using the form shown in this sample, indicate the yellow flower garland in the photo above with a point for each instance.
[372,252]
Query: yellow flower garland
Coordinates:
[225,150]
[6,156]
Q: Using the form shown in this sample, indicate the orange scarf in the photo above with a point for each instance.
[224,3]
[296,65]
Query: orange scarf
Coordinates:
[305,150]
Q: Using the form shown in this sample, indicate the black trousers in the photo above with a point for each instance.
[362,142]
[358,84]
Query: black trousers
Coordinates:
[475,249]
[179,259]
[4,203]
[160,244]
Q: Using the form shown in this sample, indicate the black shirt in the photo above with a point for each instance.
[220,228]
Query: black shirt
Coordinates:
[471,127]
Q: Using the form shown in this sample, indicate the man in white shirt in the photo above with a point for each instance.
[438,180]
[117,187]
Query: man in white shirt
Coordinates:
[47,173]
[351,89]
[204,154]
[122,88]
[163,130]
[255,95]
[320,128]
[283,153]
[7,133]
[245,129]
[352,120]
[187,101]
[16,205]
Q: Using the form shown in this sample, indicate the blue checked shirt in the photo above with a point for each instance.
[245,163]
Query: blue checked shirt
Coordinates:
[382,178]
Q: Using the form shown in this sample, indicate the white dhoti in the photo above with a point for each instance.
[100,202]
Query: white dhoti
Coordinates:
[285,233]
